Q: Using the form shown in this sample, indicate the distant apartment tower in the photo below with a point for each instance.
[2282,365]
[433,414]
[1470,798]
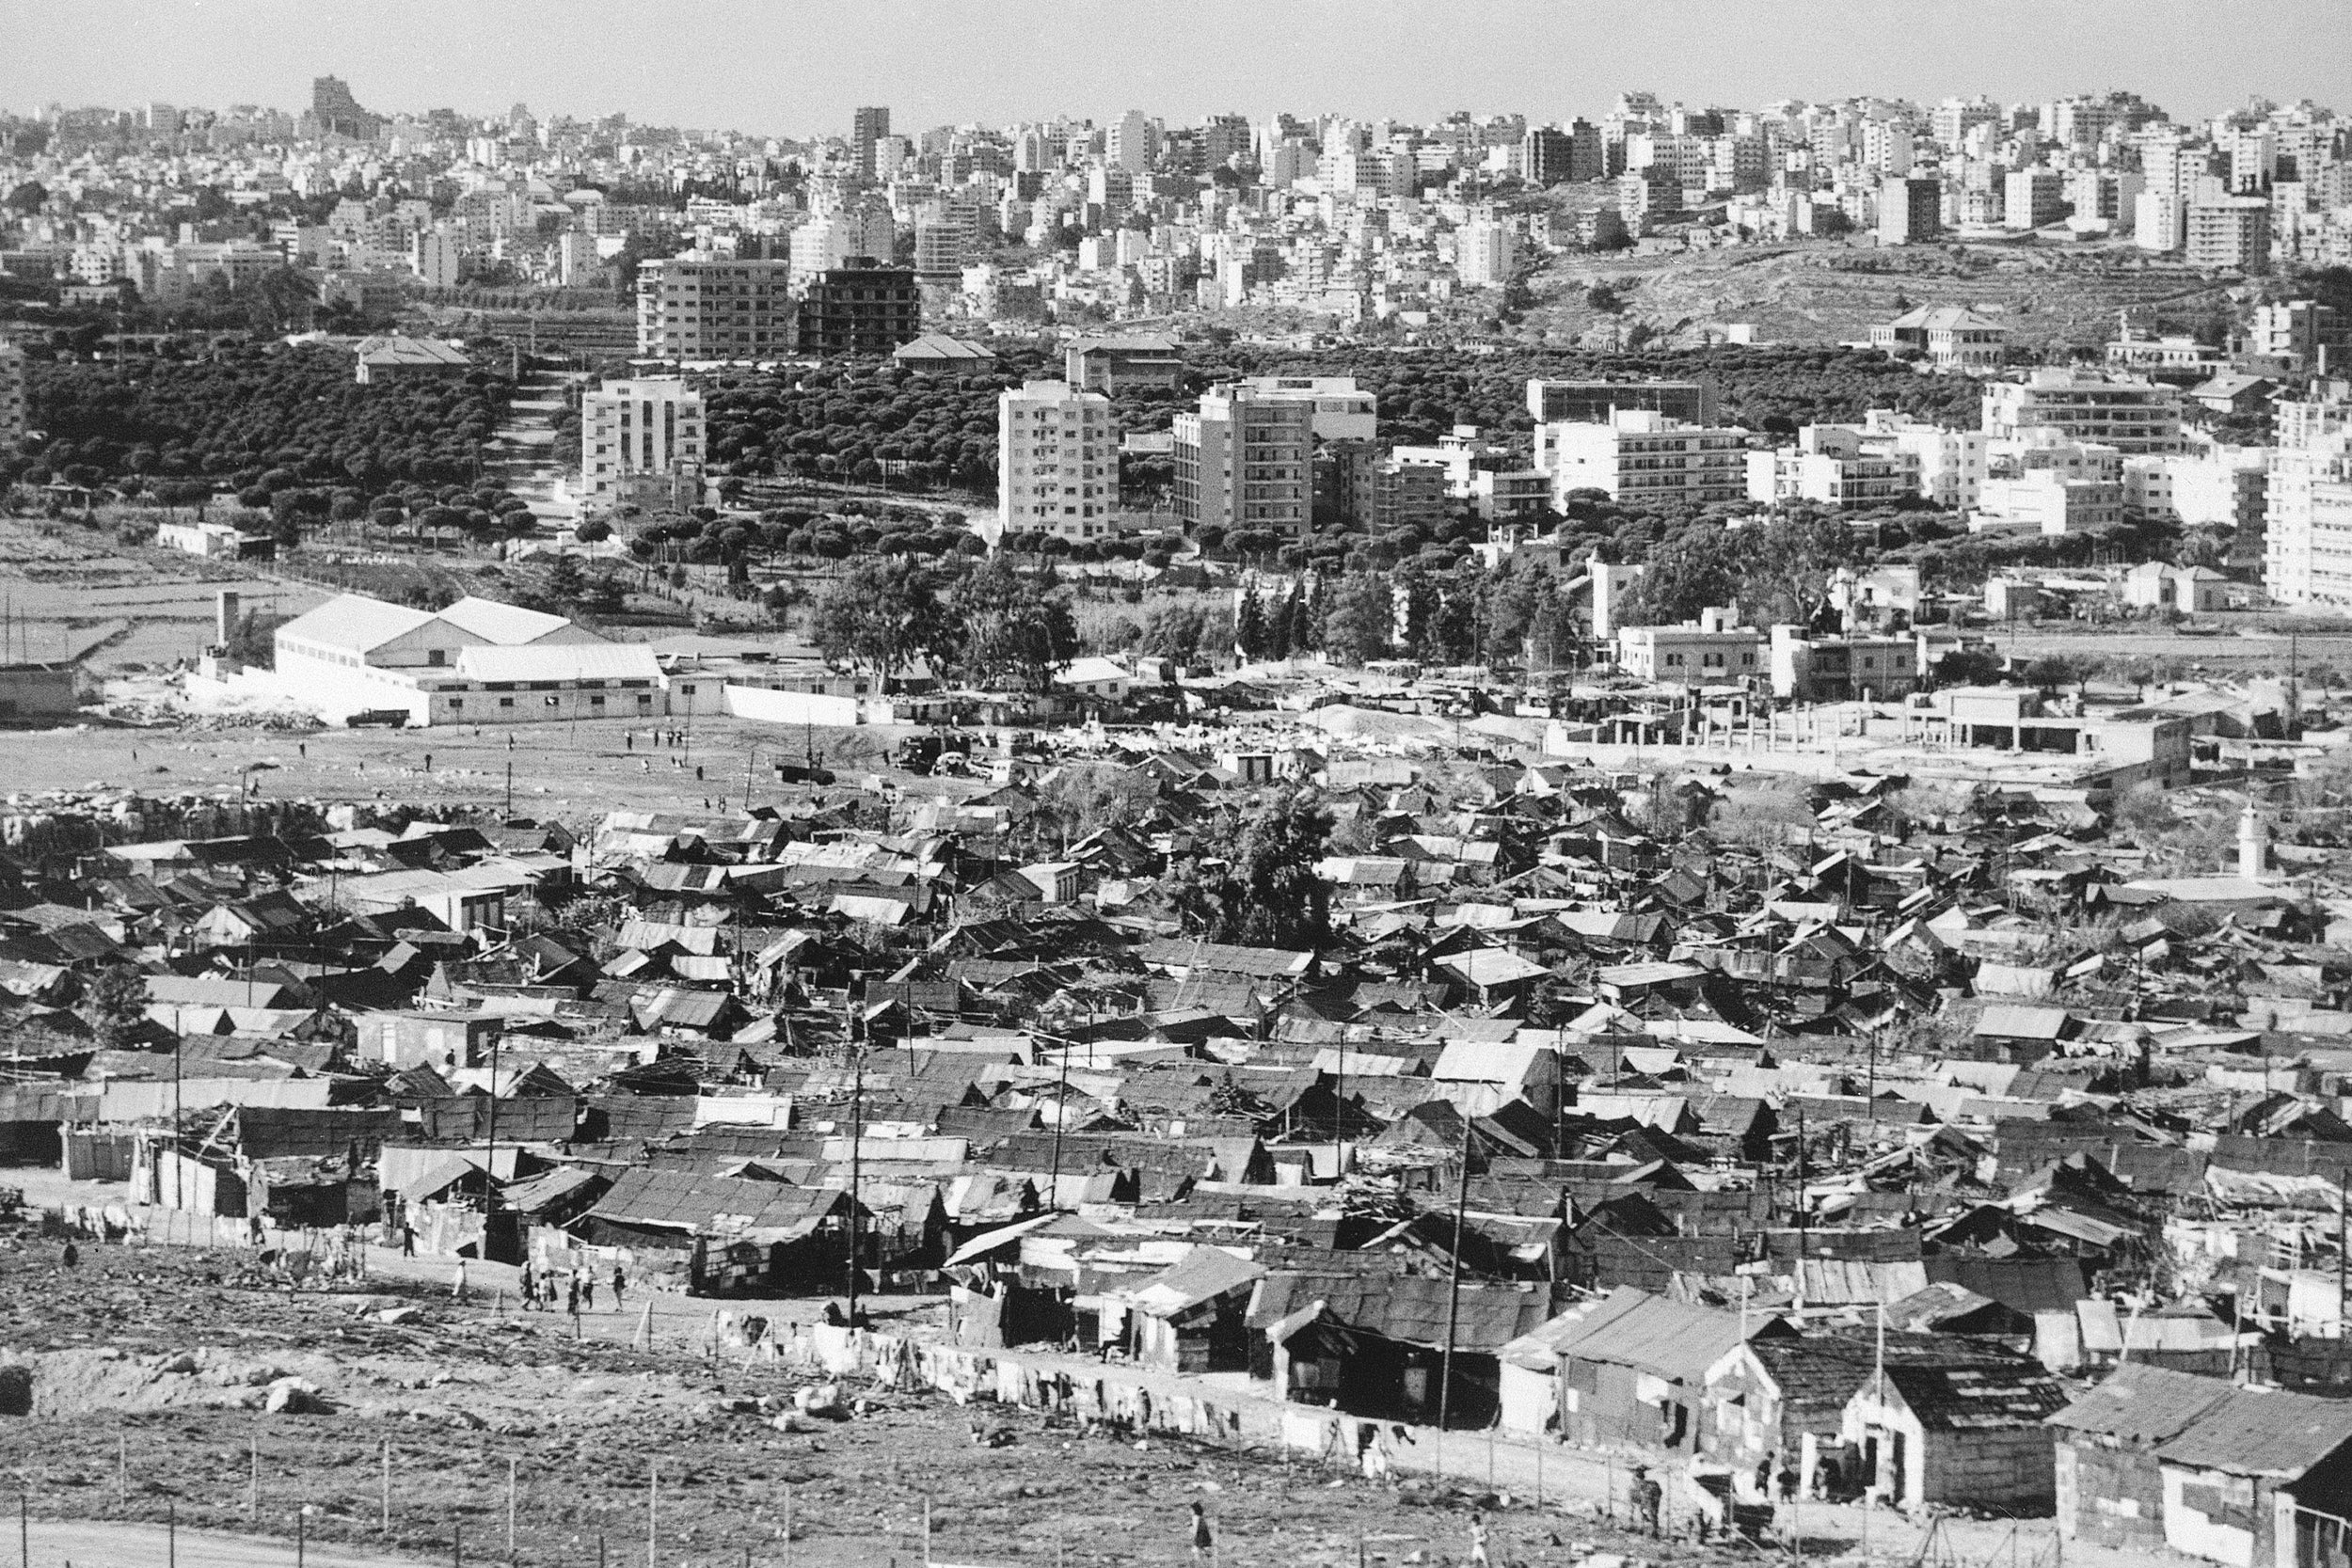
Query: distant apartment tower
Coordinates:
[1910,211]
[867,127]
[1244,460]
[862,309]
[2033,198]
[11,395]
[632,431]
[1056,461]
[1557,154]
[2129,415]
[2233,232]
[2159,221]
[1641,455]
[1593,402]
[1485,253]
[698,306]
[339,114]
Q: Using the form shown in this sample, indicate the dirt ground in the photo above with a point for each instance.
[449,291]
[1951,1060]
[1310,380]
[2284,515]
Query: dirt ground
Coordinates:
[564,771]
[144,1362]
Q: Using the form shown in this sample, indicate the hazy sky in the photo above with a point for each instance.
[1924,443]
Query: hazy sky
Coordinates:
[797,69]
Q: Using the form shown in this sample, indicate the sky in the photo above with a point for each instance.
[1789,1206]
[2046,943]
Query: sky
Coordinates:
[797,69]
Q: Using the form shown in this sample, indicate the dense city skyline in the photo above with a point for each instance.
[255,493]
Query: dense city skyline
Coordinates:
[761,72]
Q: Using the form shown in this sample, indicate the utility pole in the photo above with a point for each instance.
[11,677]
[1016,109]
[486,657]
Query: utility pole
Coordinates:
[1453,1283]
[857,1141]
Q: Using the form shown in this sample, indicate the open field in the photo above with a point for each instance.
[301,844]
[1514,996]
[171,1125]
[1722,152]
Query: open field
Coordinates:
[1825,293]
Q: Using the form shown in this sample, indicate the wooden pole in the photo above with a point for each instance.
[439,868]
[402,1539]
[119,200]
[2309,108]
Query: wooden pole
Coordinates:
[788,1528]
[509,1507]
[122,1469]
[653,1506]
[385,1525]
[253,1482]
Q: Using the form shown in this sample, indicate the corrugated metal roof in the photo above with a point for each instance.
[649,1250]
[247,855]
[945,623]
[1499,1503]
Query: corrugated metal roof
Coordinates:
[2262,1432]
[560,661]
[509,625]
[356,622]
[2143,1404]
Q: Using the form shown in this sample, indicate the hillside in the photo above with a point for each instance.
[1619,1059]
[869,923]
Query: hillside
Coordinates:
[1822,293]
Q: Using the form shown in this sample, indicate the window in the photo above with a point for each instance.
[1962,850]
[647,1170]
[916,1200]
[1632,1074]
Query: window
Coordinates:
[506,702]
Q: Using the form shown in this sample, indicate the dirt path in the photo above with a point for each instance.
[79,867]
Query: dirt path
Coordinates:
[62,1543]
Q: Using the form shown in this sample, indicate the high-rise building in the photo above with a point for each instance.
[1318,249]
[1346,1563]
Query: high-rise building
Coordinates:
[2233,231]
[1910,211]
[2159,221]
[1224,137]
[2307,547]
[863,308]
[1244,460]
[339,114]
[711,306]
[1485,253]
[1546,154]
[1131,142]
[1056,461]
[639,434]
[867,127]
[2032,198]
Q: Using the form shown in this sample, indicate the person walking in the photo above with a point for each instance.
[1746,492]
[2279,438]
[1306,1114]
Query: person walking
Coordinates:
[1203,1543]
[1647,1496]
[407,1240]
[1478,1541]
[587,1291]
[618,1281]
[457,1285]
[530,1288]
[571,1299]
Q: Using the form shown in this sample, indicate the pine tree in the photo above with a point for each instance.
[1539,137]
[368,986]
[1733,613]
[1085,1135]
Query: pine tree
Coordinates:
[1278,628]
[1250,624]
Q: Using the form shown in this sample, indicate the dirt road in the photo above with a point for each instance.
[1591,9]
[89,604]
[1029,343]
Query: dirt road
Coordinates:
[60,1544]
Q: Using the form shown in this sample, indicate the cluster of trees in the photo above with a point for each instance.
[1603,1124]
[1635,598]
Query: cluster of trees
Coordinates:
[704,536]
[254,411]
[1265,892]
[985,623]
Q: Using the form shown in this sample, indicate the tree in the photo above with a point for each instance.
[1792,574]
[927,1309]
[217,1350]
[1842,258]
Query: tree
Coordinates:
[565,581]
[879,617]
[1085,796]
[1360,620]
[1010,629]
[1275,898]
[1250,624]
[28,198]
[117,999]
[593,530]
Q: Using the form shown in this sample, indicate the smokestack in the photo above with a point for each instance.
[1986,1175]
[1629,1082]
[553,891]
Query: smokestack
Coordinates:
[224,617]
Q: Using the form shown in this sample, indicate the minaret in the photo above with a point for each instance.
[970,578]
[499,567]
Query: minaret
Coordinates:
[2253,845]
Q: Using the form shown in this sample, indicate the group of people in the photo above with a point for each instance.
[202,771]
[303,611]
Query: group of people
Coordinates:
[580,1289]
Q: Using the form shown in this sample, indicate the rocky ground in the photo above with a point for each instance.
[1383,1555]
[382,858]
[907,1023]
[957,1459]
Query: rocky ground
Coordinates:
[149,1375]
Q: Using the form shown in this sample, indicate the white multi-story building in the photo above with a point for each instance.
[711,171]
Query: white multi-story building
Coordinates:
[1485,254]
[1056,461]
[2130,415]
[1244,460]
[1835,466]
[2159,220]
[1951,461]
[2307,546]
[1640,455]
[647,427]
[711,306]
[1341,411]
[2231,232]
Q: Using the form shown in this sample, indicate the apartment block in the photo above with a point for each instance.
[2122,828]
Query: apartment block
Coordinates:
[1245,459]
[2130,415]
[1646,457]
[862,309]
[2307,548]
[1711,651]
[2033,198]
[1056,461]
[2233,232]
[1593,401]
[636,429]
[1840,467]
[698,307]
